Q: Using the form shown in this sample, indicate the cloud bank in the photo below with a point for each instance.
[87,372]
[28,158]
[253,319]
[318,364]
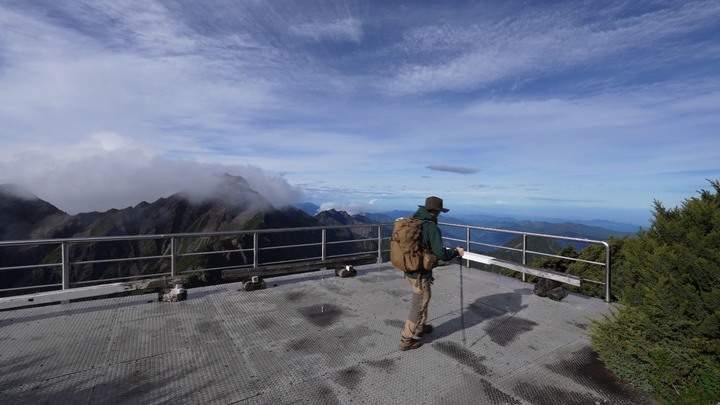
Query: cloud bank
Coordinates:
[107,170]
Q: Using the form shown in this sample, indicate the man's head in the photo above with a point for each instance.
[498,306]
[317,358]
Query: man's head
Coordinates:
[434,205]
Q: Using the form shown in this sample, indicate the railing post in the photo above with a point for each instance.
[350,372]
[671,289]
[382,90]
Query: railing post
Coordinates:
[607,272]
[467,244]
[524,256]
[173,257]
[256,241]
[379,242]
[324,243]
[65,253]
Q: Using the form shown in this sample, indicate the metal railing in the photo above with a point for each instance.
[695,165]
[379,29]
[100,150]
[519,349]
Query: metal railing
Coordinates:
[525,251]
[314,237]
[371,240]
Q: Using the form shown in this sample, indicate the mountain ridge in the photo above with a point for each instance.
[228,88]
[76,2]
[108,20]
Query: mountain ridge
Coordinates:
[596,227]
[231,206]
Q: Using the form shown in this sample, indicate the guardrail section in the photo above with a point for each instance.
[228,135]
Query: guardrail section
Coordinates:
[64,269]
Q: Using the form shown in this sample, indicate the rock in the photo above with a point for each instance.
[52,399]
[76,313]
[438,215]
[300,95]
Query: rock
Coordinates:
[550,288]
[255,283]
[176,294]
[347,271]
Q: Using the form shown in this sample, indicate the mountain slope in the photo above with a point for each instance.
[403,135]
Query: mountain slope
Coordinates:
[23,215]
[231,206]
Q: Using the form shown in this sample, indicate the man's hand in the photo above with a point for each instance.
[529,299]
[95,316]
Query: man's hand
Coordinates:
[460,251]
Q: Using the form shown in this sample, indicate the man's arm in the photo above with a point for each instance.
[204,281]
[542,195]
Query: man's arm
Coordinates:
[434,238]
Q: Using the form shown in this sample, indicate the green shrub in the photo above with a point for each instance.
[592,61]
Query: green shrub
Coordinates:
[666,337]
[596,253]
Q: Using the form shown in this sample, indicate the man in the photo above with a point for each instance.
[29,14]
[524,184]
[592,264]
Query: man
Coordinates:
[421,280]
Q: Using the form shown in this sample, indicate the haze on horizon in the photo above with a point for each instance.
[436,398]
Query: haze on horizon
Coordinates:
[574,109]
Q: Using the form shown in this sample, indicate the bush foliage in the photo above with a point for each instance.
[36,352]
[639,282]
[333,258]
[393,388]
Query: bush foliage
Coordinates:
[665,338]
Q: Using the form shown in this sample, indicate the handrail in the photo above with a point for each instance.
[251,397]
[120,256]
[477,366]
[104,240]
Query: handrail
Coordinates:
[376,239]
[174,252]
[525,251]
[182,235]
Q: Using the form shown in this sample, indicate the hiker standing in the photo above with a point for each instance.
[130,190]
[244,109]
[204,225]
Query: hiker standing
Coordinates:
[421,280]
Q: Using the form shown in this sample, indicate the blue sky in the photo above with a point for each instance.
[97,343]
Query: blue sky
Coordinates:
[560,108]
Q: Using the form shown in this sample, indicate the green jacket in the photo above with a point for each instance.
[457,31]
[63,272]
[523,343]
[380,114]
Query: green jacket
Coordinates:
[432,238]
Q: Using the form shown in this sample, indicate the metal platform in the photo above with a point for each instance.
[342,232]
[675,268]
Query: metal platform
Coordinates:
[311,338]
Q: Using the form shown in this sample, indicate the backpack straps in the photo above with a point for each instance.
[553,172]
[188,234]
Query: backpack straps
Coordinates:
[423,240]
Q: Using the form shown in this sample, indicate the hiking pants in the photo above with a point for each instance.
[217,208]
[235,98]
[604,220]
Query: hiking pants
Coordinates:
[418,307]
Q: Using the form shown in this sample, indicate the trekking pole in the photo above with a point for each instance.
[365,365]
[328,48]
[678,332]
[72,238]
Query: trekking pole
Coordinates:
[462,312]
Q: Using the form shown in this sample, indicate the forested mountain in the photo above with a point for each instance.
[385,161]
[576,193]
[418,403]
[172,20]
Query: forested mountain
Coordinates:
[23,215]
[232,206]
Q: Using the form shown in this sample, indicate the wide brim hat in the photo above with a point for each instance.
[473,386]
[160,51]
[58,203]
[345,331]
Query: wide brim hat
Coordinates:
[434,203]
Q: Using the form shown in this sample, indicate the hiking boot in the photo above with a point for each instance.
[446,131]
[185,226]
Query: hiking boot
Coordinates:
[426,330]
[408,344]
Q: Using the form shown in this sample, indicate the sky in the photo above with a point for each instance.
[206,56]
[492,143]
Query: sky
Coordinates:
[575,109]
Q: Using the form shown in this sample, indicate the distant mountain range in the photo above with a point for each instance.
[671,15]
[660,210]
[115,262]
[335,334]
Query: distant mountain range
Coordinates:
[587,229]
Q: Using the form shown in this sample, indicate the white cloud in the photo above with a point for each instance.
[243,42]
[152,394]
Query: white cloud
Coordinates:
[543,41]
[350,208]
[347,29]
[452,169]
[106,171]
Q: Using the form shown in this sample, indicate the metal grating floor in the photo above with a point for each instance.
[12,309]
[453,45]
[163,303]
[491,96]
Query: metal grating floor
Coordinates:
[311,338]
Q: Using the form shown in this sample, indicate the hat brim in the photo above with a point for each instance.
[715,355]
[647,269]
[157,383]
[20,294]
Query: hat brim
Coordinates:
[443,210]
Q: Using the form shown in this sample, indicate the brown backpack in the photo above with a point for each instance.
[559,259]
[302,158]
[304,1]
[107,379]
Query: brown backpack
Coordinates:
[406,250]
